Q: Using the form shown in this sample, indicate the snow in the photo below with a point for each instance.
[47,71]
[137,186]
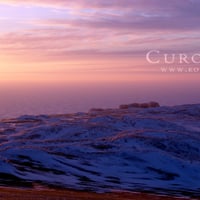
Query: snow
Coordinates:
[146,149]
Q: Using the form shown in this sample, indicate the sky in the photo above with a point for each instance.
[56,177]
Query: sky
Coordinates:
[90,40]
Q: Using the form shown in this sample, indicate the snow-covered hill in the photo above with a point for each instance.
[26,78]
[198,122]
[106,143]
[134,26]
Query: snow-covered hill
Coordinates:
[134,149]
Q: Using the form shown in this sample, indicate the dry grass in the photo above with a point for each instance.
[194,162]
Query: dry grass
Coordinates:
[47,194]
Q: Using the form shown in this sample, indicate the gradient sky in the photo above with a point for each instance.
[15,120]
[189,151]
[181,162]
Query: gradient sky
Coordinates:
[94,39]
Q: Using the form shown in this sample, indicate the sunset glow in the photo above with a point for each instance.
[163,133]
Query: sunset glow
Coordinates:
[99,99]
[94,40]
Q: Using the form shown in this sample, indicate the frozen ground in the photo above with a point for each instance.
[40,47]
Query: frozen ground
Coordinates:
[133,149]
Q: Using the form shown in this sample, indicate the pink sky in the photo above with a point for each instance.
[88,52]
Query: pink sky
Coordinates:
[94,39]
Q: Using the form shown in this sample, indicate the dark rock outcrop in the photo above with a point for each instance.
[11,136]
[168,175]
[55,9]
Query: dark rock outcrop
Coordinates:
[151,104]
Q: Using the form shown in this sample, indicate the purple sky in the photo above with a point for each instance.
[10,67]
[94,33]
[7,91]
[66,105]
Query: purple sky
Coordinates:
[90,36]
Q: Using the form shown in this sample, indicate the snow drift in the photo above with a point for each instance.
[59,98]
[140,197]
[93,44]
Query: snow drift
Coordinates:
[135,149]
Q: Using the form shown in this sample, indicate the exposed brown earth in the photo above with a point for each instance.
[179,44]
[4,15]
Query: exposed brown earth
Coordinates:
[51,194]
